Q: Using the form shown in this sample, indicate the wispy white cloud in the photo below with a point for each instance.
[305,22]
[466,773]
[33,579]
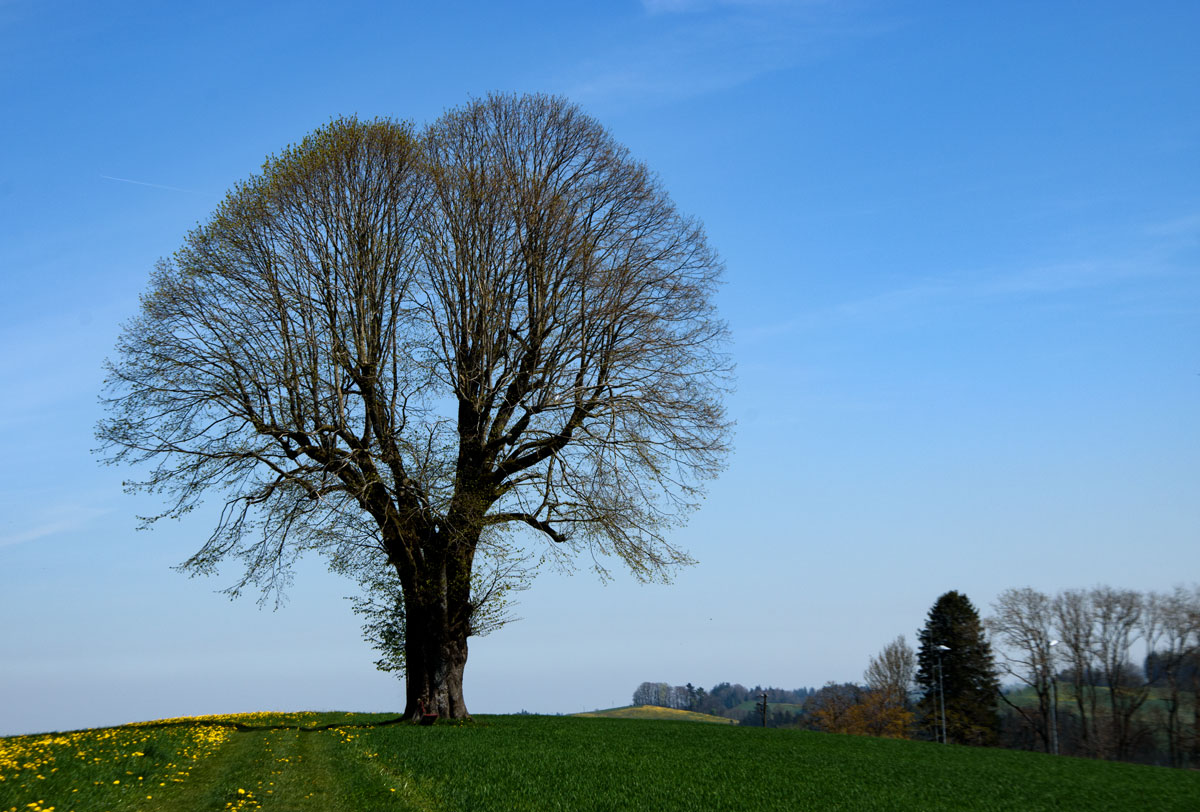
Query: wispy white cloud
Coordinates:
[970,289]
[151,185]
[697,6]
[1186,226]
[1062,278]
[684,48]
[61,519]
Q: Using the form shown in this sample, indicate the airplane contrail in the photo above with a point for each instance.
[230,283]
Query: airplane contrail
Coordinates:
[152,185]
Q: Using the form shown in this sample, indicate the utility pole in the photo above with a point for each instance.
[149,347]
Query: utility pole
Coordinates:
[761,707]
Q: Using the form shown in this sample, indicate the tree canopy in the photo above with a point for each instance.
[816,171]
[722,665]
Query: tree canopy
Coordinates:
[401,348]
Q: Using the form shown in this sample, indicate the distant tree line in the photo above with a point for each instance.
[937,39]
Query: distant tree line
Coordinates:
[1070,661]
[731,700]
[1081,690]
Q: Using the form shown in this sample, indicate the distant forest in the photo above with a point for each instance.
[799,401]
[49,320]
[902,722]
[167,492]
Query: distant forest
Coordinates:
[731,700]
[1103,672]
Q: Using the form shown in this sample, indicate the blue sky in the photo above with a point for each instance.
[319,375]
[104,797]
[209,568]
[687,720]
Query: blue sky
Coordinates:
[963,280]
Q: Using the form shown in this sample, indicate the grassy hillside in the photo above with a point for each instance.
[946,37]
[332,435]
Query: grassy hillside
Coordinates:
[774,707]
[1024,695]
[655,712]
[337,763]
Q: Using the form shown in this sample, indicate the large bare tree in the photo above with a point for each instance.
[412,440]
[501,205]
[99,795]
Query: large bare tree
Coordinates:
[1023,627]
[1175,661]
[406,349]
[1099,628]
[1120,620]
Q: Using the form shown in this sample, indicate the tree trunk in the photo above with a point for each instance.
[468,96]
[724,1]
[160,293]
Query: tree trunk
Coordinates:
[435,657]
[437,610]
[1173,750]
[434,685]
[1195,754]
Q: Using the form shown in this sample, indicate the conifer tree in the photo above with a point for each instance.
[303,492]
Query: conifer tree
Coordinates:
[968,674]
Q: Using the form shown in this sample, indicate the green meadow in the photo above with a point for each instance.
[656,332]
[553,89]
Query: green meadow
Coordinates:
[340,762]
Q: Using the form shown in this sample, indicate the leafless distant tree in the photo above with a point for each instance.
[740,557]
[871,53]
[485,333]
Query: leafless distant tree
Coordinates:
[1073,621]
[1022,626]
[1111,706]
[1120,621]
[1175,659]
[891,672]
[413,347]
[1099,628]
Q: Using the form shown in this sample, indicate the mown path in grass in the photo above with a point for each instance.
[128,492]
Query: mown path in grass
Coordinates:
[291,770]
[250,762]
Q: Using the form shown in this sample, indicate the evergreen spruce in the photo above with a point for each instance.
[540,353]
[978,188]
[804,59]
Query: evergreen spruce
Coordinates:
[968,673]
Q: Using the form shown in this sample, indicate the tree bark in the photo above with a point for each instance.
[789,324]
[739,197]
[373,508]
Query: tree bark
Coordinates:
[436,586]
[1195,715]
[435,652]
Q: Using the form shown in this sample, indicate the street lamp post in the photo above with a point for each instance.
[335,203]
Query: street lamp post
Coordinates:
[942,692]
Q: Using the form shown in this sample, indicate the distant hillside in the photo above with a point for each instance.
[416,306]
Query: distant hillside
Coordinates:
[750,706]
[728,700]
[654,712]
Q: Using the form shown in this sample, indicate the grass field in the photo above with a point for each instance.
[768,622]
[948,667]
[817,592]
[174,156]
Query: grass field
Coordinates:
[340,762]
